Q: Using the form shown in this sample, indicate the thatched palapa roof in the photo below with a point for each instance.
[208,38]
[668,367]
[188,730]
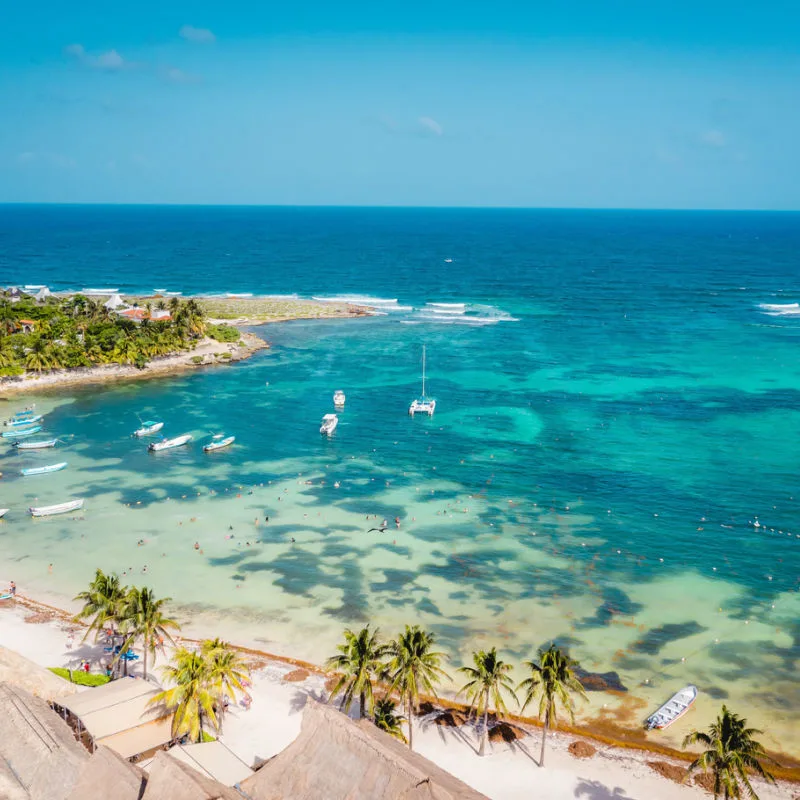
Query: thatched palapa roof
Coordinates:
[170,779]
[108,775]
[334,758]
[38,752]
[25,674]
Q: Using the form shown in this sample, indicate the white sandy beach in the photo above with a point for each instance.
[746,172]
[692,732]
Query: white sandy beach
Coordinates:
[506,772]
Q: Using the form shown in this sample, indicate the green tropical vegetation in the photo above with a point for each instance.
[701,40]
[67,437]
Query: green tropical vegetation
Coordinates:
[78,331]
[199,681]
[552,681]
[223,333]
[359,664]
[732,754]
[488,681]
[130,612]
[387,720]
[79,677]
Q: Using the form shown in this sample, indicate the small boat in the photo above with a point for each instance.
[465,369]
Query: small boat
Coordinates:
[28,420]
[168,444]
[44,470]
[674,708]
[148,427]
[329,423]
[3,512]
[423,404]
[35,445]
[17,433]
[218,442]
[339,398]
[61,508]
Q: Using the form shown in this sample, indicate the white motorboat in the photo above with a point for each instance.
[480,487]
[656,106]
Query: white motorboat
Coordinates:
[339,398]
[168,444]
[3,512]
[218,442]
[148,429]
[423,404]
[329,423]
[61,508]
[41,444]
[16,422]
[674,708]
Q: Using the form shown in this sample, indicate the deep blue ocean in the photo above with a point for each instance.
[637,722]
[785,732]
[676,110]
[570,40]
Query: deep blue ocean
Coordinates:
[619,395]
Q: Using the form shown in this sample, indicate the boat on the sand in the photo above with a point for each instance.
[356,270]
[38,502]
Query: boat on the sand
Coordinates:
[40,445]
[217,442]
[168,444]
[60,508]
[44,470]
[329,423]
[148,428]
[674,708]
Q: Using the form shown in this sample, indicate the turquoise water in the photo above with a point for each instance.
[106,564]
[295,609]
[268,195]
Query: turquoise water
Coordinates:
[617,405]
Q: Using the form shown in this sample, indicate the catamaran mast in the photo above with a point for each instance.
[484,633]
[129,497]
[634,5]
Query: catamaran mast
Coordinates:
[423,372]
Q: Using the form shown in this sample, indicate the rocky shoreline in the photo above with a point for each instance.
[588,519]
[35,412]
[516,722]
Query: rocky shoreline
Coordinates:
[208,352]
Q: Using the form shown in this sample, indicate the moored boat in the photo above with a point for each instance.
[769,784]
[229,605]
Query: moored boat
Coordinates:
[423,404]
[60,508]
[218,442]
[148,428]
[339,398]
[329,423]
[44,470]
[3,512]
[17,432]
[16,422]
[40,445]
[674,708]
[168,444]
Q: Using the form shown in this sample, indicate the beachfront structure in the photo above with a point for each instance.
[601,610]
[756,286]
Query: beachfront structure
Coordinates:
[114,302]
[119,716]
[212,759]
[335,758]
[22,673]
[42,294]
[27,325]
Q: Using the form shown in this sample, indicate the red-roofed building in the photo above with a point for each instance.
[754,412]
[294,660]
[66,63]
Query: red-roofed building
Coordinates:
[28,325]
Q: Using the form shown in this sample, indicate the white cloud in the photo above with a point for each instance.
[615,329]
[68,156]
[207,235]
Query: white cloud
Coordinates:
[430,126]
[199,35]
[109,61]
[714,138]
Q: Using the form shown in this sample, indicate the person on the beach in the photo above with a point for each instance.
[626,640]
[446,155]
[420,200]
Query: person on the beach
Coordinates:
[397,521]
[12,589]
[197,545]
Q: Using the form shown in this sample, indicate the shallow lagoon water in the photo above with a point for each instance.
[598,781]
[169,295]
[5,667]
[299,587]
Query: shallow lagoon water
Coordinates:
[590,476]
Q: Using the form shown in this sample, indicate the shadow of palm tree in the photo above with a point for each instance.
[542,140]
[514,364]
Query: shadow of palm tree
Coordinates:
[595,790]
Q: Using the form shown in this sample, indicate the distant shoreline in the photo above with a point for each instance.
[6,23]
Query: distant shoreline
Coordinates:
[236,312]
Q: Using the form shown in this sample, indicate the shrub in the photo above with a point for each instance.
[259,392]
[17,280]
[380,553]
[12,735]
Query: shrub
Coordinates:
[197,359]
[223,333]
[79,677]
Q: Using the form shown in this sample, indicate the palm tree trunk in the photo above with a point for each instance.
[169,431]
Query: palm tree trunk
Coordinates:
[485,731]
[544,737]
[362,699]
[409,715]
[144,663]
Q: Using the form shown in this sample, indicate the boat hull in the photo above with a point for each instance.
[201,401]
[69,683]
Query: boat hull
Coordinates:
[673,709]
[16,423]
[227,442]
[35,445]
[15,434]
[169,444]
[44,470]
[148,430]
[61,508]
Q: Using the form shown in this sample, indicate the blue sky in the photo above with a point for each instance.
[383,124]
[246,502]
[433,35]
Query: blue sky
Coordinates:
[577,104]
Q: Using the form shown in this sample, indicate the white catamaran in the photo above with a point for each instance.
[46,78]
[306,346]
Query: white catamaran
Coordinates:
[61,508]
[674,708]
[168,444]
[423,404]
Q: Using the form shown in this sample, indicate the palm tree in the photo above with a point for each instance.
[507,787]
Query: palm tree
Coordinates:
[228,672]
[360,663]
[103,602]
[385,718]
[174,306]
[38,358]
[732,753]
[8,322]
[144,619]
[488,680]
[552,680]
[191,696]
[413,665]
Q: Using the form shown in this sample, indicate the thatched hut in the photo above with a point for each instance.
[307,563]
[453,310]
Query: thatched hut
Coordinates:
[39,755]
[25,674]
[108,775]
[170,779]
[335,758]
